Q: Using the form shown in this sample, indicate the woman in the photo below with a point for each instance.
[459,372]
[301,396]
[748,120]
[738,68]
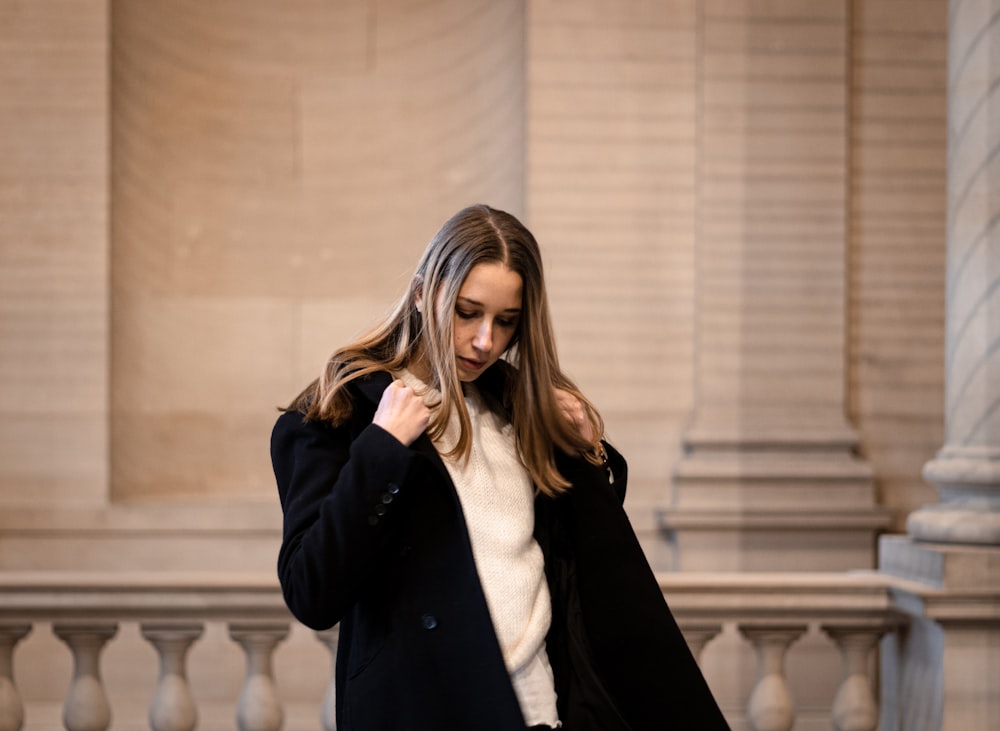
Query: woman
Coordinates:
[448,499]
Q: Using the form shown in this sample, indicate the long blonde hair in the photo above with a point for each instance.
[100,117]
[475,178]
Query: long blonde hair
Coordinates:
[475,235]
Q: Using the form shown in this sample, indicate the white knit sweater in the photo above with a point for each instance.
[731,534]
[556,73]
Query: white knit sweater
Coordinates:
[498,503]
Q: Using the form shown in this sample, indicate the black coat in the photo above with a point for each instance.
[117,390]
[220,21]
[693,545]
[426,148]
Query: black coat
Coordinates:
[374,538]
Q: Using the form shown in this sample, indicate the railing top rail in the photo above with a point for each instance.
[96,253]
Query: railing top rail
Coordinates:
[256,595]
[136,596]
[781,581]
[862,596]
[138,581]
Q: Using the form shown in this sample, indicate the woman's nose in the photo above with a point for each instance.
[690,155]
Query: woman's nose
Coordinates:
[484,337]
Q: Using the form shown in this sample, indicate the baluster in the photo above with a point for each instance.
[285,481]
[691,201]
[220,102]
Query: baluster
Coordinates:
[770,707]
[11,707]
[698,635]
[172,707]
[259,708]
[854,706]
[86,707]
[328,715]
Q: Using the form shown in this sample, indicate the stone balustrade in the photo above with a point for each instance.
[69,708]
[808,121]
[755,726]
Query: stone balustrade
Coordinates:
[772,611]
[85,610]
[769,612]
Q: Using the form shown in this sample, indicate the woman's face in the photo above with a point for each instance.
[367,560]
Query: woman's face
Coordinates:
[486,316]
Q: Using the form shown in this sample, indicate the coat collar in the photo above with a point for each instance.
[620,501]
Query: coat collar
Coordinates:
[371,387]
[493,381]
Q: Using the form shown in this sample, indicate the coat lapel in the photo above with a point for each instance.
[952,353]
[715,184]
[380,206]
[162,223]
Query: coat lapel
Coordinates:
[372,387]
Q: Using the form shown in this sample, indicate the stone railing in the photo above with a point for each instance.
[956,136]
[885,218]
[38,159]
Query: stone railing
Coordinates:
[769,612]
[172,610]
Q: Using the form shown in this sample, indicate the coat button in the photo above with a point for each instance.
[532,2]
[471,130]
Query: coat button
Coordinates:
[393,488]
[429,621]
[380,509]
[372,520]
[386,498]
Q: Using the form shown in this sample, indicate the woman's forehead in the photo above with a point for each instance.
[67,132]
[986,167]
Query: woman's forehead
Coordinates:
[492,284]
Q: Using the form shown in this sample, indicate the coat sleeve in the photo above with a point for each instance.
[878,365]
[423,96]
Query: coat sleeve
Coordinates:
[338,496]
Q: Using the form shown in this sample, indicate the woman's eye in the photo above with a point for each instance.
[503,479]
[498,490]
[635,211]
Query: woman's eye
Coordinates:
[506,323]
[465,315]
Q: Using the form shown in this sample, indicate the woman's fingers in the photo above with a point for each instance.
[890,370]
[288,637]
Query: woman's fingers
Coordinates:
[574,412]
[402,413]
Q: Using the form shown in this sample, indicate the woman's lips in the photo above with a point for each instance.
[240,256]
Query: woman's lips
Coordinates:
[471,365]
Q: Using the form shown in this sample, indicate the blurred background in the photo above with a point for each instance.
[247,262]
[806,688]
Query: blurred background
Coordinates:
[741,206]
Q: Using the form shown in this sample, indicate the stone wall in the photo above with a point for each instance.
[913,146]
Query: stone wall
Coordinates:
[199,202]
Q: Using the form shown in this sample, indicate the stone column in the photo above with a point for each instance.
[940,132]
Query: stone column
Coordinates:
[770,478]
[966,471]
[944,663]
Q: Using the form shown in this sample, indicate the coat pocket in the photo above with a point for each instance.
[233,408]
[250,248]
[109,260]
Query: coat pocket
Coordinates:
[367,643]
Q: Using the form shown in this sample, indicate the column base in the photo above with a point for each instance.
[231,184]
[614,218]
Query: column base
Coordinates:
[768,540]
[940,673]
[772,499]
[968,480]
[966,521]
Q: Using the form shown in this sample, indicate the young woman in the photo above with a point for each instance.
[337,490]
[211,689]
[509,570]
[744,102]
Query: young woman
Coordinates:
[448,500]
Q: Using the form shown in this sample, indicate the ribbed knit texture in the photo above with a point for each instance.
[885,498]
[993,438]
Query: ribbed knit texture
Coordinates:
[498,503]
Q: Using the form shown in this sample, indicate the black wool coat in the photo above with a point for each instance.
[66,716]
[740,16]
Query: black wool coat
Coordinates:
[374,538]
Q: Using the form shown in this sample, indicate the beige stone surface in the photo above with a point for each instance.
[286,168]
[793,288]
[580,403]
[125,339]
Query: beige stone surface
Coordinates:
[53,251]
[298,147]
[261,194]
[53,459]
[769,440]
[610,162]
[896,251]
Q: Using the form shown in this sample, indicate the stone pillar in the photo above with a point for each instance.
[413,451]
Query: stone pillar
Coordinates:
[953,547]
[966,471]
[770,478]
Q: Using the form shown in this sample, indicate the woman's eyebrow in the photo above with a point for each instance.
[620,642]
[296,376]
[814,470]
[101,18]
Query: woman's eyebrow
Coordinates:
[474,303]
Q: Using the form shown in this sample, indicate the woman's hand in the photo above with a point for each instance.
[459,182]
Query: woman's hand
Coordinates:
[572,409]
[402,413]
